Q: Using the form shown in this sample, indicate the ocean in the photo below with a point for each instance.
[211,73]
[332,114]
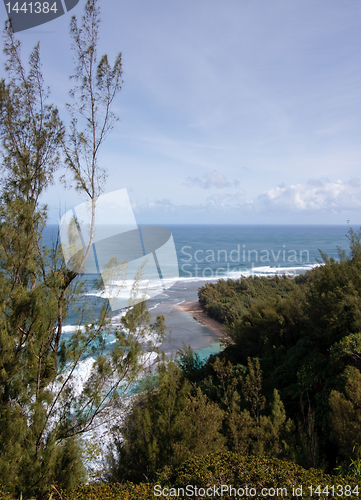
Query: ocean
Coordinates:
[208,252]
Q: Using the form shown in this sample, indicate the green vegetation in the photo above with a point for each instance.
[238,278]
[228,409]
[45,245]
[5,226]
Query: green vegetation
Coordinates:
[169,423]
[252,472]
[306,335]
[287,386]
[272,477]
[44,410]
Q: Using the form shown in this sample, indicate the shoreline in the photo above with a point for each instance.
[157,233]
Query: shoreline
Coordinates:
[196,311]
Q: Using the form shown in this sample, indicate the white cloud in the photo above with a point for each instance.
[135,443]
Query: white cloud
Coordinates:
[151,206]
[215,204]
[314,196]
[227,200]
[211,179]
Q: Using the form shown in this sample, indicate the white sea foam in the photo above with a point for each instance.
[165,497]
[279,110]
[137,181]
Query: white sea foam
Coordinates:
[255,271]
[72,328]
[148,359]
[82,374]
[120,290]
[98,442]
[116,319]
[101,435]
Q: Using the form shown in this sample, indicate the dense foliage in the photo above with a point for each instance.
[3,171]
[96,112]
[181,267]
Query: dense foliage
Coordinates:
[306,335]
[287,386]
[169,423]
[252,475]
[254,472]
[45,406]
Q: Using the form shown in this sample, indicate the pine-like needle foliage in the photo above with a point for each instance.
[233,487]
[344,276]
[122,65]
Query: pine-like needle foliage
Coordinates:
[44,405]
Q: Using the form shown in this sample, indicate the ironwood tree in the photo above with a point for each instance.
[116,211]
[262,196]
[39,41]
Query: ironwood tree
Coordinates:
[43,410]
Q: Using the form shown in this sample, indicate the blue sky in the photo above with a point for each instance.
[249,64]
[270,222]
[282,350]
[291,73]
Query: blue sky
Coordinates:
[240,111]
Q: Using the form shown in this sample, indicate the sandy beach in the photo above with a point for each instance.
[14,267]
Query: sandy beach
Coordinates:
[196,310]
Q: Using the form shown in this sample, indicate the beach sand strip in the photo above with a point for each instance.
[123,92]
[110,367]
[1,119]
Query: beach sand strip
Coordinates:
[197,311]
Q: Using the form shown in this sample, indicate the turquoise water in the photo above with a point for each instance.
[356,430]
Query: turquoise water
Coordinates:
[209,252]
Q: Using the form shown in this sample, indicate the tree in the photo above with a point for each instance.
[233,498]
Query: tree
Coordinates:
[334,299]
[31,133]
[43,411]
[345,414]
[167,424]
[309,452]
[249,426]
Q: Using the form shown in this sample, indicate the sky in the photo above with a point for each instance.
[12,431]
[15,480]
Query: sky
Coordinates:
[231,112]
